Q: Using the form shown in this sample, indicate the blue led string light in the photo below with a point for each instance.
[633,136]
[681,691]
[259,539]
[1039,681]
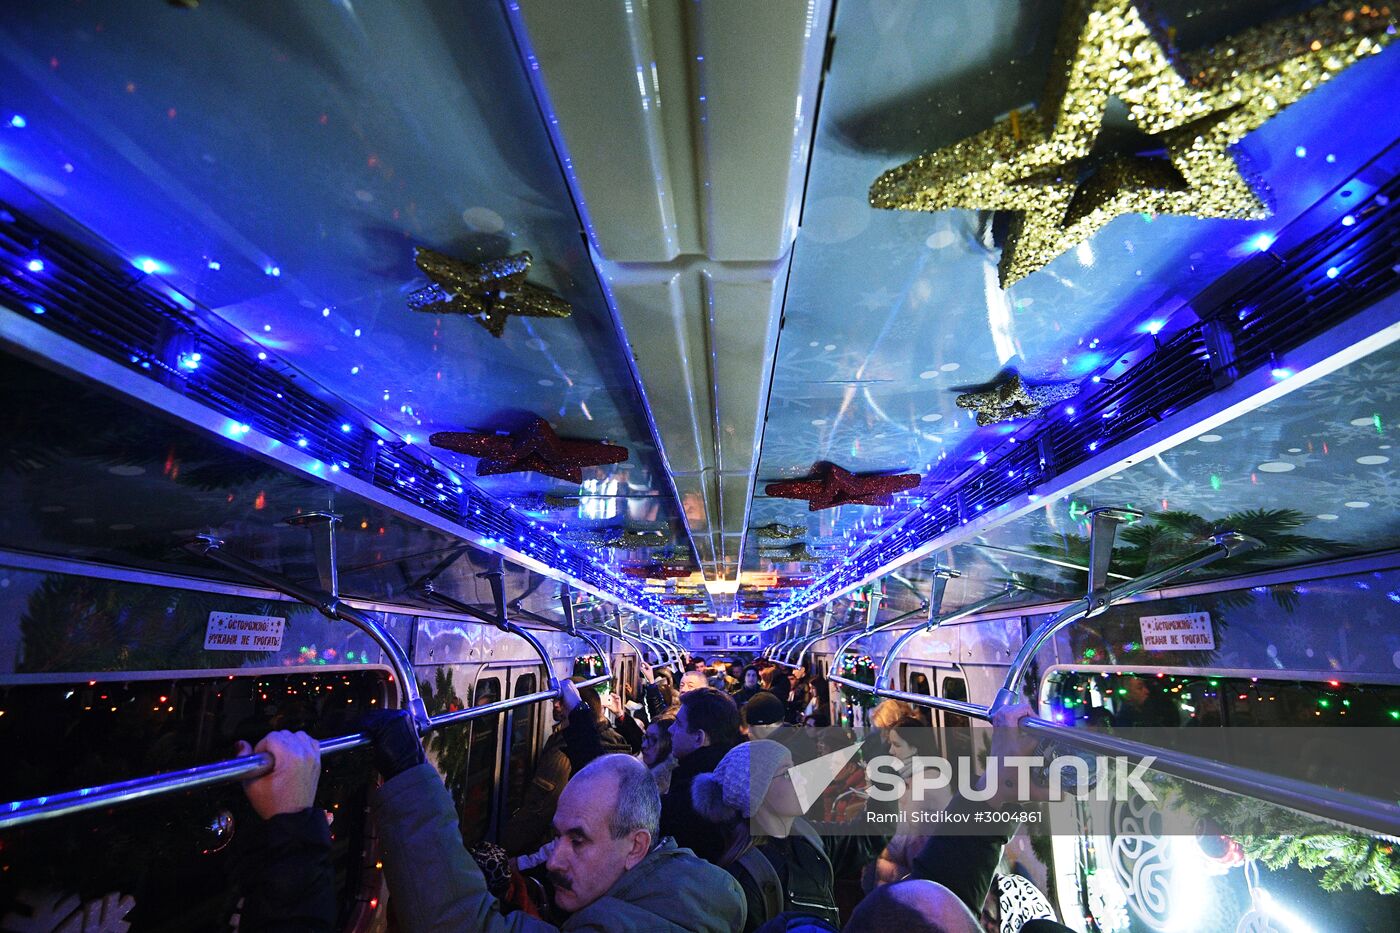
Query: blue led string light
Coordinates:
[1273,302]
[113,308]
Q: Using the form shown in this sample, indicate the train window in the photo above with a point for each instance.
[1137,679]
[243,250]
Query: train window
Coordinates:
[474,805]
[521,757]
[917,682]
[956,727]
[1160,698]
[166,854]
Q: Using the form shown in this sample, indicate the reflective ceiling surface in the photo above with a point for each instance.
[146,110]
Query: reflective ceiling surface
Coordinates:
[1325,453]
[891,314]
[94,479]
[277,165]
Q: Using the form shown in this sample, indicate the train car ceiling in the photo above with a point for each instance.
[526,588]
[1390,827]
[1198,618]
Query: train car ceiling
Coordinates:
[213,210]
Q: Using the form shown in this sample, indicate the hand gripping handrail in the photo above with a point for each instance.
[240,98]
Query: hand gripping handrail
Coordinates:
[246,767]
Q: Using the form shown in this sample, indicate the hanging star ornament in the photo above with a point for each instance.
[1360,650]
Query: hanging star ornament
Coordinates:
[1013,398]
[830,486]
[618,537]
[535,449]
[488,293]
[777,531]
[795,552]
[1046,167]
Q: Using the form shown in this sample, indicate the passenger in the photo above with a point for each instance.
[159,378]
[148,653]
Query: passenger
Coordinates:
[763,719]
[580,735]
[610,867]
[693,680]
[800,698]
[963,865]
[620,717]
[1146,707]
[288,881]
[706,728]
[750,799]
[779,684]
[670,698]
[656,753]
[819,706]
[750,687]
[912,907]
[909,739]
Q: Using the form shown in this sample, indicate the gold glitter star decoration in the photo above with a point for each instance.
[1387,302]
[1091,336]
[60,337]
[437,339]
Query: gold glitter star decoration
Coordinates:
[1012,398]
[1049,168]
[488,293]
[777,531]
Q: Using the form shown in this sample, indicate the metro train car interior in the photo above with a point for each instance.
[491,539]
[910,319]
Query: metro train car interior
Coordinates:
[497,392]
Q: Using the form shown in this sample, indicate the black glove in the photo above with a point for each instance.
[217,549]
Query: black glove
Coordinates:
[394,741]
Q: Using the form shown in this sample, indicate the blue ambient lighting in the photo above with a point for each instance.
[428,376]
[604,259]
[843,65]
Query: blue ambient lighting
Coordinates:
[1333,272]
[1348,220]
[1261,242]
[1280,372]
[190,361]
[150,266]
[262,355]
[1301,152]
[302,442]
[35,265]
[345,428]
[18,122]
[38,309]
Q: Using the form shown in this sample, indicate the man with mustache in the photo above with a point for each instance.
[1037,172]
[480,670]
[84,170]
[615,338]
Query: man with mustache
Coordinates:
[610,867]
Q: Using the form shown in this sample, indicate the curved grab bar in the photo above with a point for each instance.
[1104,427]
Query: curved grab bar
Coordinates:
[246,767]
[882,674]
[332,608]
[1226,544]
[21,812]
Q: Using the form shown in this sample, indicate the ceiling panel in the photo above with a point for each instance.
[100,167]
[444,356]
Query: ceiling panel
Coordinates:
[278,165]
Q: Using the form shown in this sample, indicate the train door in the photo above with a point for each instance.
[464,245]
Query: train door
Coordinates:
[522,740]
[917,678]
[956,728]
[478,815]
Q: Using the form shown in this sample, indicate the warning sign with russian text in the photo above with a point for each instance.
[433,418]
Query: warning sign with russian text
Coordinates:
[1187,631]
[233,631]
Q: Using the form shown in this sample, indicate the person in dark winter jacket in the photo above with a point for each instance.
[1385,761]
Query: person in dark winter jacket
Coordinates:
[581,735]
[288,882]
[610,869]
[777,858]
[952,874]
[706,727]
[751,686]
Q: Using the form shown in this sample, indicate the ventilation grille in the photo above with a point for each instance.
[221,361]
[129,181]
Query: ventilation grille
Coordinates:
[127,316]
[1249,319]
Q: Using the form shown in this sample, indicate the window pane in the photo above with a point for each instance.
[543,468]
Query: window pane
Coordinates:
[481,765]
[522,742]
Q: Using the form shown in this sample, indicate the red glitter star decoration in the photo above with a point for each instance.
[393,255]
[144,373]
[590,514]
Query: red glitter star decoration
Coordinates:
[830,486]
[534,449]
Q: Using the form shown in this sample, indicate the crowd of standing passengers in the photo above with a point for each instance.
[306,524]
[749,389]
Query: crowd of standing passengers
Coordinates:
[669,808]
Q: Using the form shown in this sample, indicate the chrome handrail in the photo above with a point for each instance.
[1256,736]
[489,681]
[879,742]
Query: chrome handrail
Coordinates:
[246,767]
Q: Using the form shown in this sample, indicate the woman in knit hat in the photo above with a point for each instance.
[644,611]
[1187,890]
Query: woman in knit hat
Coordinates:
[775,856]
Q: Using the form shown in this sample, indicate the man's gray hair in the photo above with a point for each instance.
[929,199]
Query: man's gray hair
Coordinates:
[638,803]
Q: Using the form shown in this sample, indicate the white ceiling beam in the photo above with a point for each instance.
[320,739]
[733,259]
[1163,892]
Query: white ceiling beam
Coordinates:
[687,129]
